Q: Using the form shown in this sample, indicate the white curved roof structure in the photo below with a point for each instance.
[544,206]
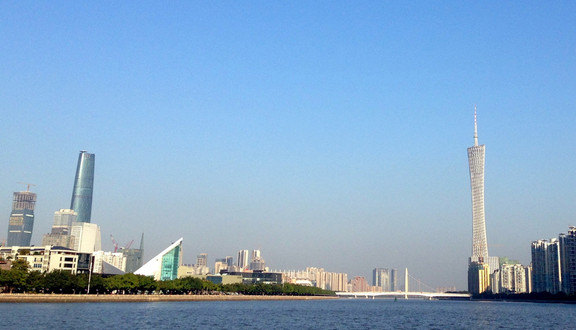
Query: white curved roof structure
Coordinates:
[165,265]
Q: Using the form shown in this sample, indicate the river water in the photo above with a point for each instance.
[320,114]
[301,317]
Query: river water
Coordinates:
[301,314]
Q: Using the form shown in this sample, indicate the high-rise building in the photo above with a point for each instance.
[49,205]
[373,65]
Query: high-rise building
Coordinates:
[224,265]
[165,265]
[568,260]
[256,261]
[63,220]
[385,278]
[134,257]
[83,187]
[60,234]
[359,284]
[478,277]
[202,260]
[220,265]
[258,264]
[546,272]
[512,279]
[229,262]
[21,220]
[86,237]
[243,262]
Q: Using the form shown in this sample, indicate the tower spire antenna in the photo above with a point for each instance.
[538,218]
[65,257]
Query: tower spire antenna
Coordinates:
[475,127]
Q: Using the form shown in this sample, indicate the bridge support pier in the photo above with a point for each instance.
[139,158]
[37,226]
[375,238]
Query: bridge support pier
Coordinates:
[406,284]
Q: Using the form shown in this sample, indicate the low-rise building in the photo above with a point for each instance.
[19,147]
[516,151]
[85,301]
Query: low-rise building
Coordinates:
[102,258]
[258,277]
[43,258]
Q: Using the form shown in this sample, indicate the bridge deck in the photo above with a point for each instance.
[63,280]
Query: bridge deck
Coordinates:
[429,295]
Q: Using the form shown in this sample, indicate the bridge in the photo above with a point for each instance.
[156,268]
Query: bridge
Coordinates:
[406,294]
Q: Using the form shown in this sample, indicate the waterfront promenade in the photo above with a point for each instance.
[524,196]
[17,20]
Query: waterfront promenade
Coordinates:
[77,298]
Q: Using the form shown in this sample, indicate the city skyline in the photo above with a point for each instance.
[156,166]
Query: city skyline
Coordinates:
[328,135]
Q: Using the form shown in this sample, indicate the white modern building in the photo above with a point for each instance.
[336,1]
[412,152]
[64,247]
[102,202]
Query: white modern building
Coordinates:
[87,238]
[243,261]
[164,266]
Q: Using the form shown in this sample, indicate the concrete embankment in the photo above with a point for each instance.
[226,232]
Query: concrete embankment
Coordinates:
[78,298]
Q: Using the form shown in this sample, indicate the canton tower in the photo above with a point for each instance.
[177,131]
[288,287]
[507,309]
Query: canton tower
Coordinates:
[476,164]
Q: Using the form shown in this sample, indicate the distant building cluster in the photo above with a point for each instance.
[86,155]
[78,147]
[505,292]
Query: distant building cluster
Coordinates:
[554,264]
[74,243]
[317,277]
[383,280]
[552,270]
[553,267]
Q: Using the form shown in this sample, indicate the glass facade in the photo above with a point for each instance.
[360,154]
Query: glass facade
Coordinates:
[21,220]
[83,187]
[170,263]
[163,266]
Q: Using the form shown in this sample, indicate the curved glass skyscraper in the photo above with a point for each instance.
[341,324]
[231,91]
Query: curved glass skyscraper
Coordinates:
[83,187]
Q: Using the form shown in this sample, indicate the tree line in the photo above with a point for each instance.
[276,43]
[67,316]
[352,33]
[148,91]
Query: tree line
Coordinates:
[19,280]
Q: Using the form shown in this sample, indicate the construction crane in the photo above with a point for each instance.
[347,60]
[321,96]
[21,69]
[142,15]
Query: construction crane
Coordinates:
[118,247]
[114,242]
[28,185]
[128,245]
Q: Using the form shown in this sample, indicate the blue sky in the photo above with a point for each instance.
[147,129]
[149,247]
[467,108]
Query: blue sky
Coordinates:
[326,133]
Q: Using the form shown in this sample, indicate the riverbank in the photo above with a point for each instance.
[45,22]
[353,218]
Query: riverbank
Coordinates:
[82,298]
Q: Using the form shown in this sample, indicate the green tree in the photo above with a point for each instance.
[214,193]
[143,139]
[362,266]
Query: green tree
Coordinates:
[128,283]
[35,281]
[60,281]
[146,283]
[97,284]
[20,264]
[15,278]
[191,284]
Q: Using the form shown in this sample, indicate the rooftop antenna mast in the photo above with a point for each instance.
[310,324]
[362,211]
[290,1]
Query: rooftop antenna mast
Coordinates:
[475,127]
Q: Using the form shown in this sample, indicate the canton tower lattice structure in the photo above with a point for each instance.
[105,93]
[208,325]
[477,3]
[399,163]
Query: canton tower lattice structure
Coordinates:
[476,164]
